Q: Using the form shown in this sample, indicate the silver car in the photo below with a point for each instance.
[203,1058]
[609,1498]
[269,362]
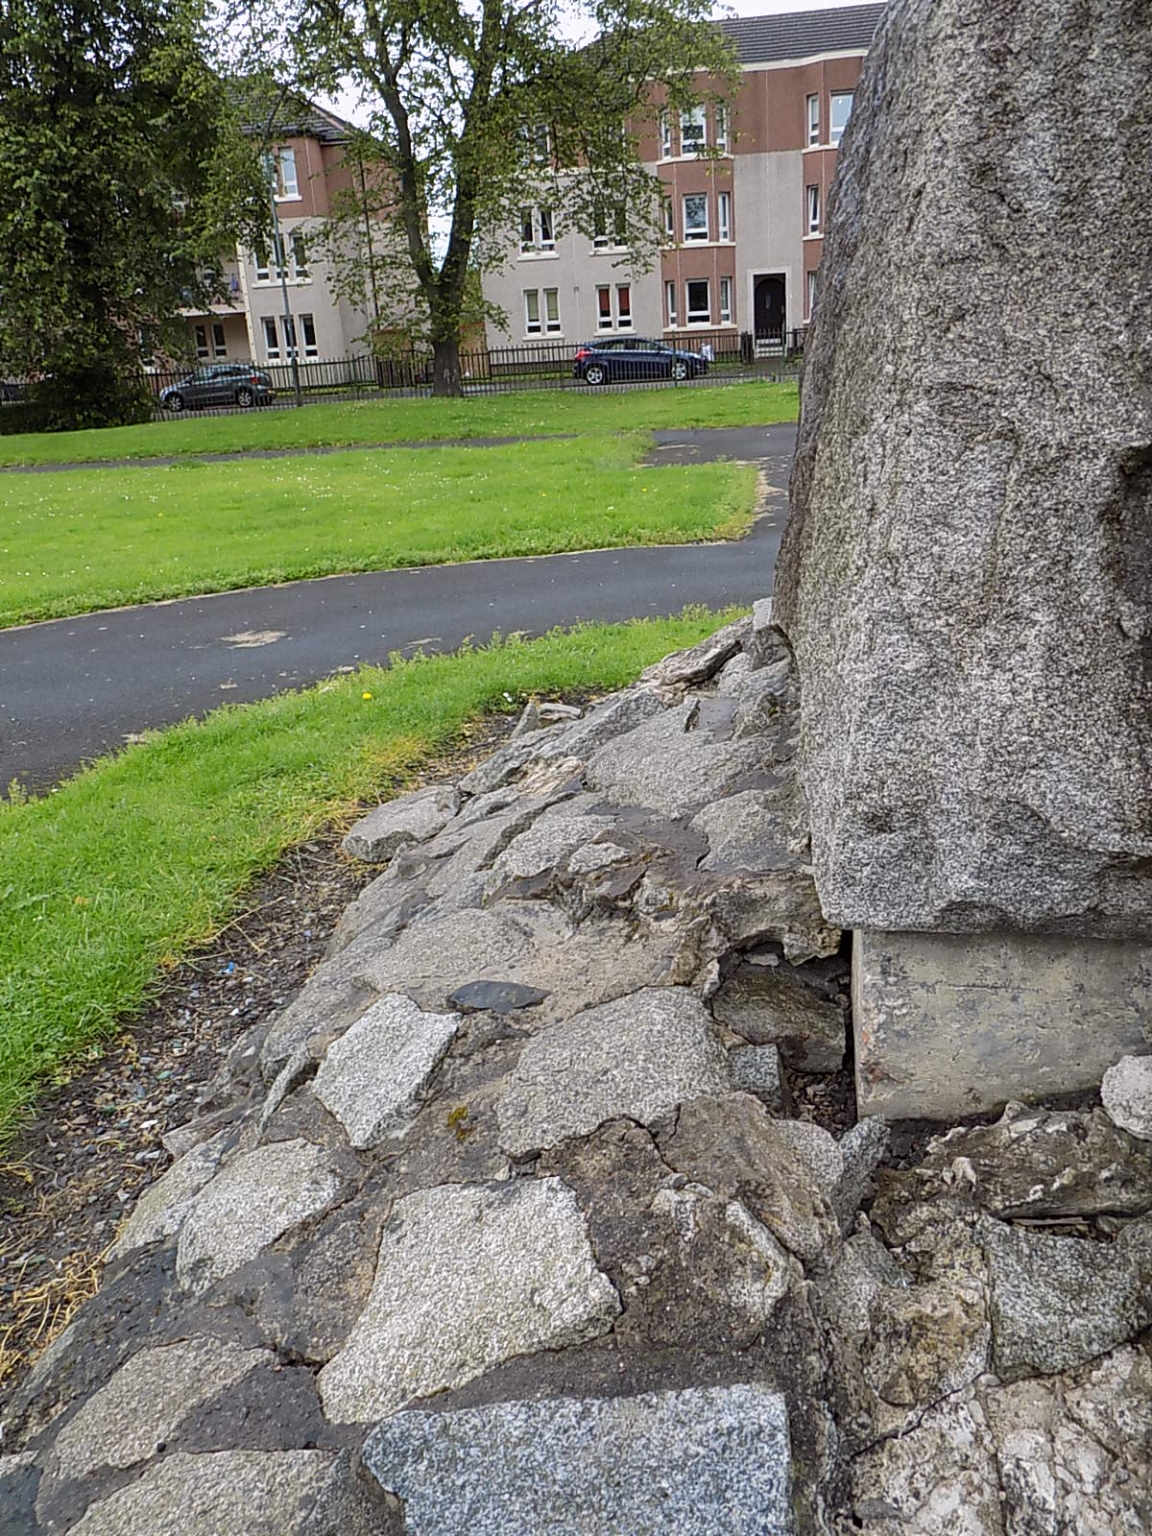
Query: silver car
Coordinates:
[219,384]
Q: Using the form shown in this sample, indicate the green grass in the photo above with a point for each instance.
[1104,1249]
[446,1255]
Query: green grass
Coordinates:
[97,538]
[144,856]
[529,412]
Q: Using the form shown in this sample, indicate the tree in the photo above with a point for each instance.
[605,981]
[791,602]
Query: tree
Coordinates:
[477,108]
[124,179]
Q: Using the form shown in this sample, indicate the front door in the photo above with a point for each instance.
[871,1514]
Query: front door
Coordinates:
[768,308]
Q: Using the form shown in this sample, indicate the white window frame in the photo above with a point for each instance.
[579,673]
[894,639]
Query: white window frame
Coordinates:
[665,136]
[623,320]
[287,181]
[836,134]
[263,273]
[527,231]
[552,324]
[701,317]
[725,301]
[812,118]
[288,326]
[693,130]
[722,128]
[219,340]
[670,304]
[609,229]
[811,290]
[308,329]
[298,271]
[812,207]
[541,221]
[697,235]
[723,215]
[669,220]
[201,338]
[533,324]
[271,338]
[604,316]
[547,228]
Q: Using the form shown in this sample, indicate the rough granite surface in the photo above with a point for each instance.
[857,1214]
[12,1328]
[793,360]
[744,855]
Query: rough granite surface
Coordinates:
[966,573]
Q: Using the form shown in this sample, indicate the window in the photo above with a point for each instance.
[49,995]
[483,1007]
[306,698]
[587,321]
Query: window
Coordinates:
[532,311]
[722,129]
[724,216]
[624,306]
[300,273]
[813,197]
[813,106]
[260,261]
[699,302]
[669,221]
[665,136]
[537,231]
[696,216]
[812,288]
[839,115]
[692,132]
[308,331]
[219,344]
[552,310]
[286,184]
[670,302]
[201,341]
[289,326]
[604,309]
[601,236]
[725,301]
[271,339]
[537,142]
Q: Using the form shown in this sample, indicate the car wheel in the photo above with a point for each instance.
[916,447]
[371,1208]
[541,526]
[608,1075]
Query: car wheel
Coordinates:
[245,396]
[679,370]
[174,403]
[595,373]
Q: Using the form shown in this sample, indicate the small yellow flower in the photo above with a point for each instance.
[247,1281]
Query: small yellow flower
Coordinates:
[365,695]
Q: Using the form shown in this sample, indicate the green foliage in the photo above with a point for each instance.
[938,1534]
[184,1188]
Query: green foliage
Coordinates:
[98,538]
[145,855]
[123,180]
[476,110]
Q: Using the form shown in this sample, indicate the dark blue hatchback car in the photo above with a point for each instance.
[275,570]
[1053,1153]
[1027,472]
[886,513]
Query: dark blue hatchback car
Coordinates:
[624,358]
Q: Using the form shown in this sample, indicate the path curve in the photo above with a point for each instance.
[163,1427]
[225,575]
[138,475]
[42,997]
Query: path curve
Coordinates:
[71,689]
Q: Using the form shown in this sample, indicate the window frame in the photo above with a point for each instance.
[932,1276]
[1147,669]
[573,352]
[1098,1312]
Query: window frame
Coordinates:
[604,316]
[552,326]
[665,135]
[271,329]
[219,340]
[299,272]
[724,216]
[624,311]
[532,327]
[200,337]
[724,300]
[836,134]
[723,127]
[812,119]
[812,208]
[702,318]
[693,118]
[307,326]
[670,304]
[695,236]
[287,188]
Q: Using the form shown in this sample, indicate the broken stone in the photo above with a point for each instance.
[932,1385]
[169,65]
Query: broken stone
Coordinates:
[766,645]
[543,845]
[614,716]
[1028,1015]
[505,764]
[552,711]
[1057,1302]
[747,830]
[756,1070]
[674,764]
[373,1077]
[495,997]
[694,1462]
[637,1057]
[252,1201]
[261,1493]
[732,1145]
[862,1149]
[1126,1094]
[772,1006]
[145,1402]
[162,1207]
[699,662]
[732,676]
[528,722]
[468,1276]
[412,818]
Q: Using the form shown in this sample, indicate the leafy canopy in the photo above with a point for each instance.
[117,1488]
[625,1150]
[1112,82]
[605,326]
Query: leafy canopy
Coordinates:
[123,181]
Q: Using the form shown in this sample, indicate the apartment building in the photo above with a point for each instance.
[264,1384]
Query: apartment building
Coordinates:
[308,165]
[745,192]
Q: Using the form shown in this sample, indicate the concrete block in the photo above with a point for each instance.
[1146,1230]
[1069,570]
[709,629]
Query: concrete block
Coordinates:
[949,1025]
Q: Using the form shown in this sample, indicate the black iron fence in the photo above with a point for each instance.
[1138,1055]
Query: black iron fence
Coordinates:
[603,362]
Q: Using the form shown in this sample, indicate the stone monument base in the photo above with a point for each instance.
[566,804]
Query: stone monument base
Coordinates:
[953,1024]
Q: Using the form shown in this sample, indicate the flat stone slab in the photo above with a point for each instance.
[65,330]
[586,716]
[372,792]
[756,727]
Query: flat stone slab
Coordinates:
[162,1207]
[226,1493]
[637,1057]
[468,1276]
[373,1077]
[412,818]
[949,1025]
[495,997]
[673,764]
[695,1463]
[252,1201]
[146,1401]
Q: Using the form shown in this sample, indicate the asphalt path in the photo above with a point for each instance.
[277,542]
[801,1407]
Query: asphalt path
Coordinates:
[72,689]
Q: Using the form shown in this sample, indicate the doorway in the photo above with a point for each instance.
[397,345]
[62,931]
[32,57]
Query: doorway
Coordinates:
[768,308]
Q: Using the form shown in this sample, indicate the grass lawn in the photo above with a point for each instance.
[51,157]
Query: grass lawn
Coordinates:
[97,538]
[130,865]
[529,412]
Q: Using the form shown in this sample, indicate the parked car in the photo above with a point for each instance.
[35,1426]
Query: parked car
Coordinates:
[219,384]
[634,357]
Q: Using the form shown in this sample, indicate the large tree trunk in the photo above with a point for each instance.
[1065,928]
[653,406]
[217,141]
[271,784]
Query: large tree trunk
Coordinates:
[446,377]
